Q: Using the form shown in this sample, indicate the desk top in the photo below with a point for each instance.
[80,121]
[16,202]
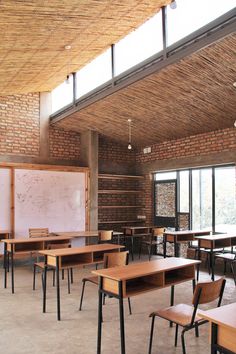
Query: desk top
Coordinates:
[137,227]
[83,233]
[224,315]
[145,268]
[188,232]
[103,247]
[216,237]
[36,239]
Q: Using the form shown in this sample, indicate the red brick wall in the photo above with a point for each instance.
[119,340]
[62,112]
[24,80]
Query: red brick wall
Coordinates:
[19,124]
[64,144]
[201,144]
[111,150]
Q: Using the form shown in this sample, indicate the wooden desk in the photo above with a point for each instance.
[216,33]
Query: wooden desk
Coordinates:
[135,279]
[23,246]
[178,237]
[86,234]
[131,232]
[212,242]
[5,234]
[222,328]
[71,258]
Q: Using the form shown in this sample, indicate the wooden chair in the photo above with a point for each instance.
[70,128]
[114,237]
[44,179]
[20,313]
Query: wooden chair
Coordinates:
[187,316]
[113,259]
[41,266]
[38,232]
[153,241]
[228,257]
[105,236]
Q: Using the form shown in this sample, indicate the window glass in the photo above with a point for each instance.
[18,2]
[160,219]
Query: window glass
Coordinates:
[225,199]
[162,176]
[184,191]
[94,74]
[139,44]
[191,15]
[202,199]
[62,95]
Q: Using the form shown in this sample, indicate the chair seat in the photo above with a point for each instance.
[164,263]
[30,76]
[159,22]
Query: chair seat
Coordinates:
[93,280]
[180,314]
[40,265]
[226,256]
[156,243]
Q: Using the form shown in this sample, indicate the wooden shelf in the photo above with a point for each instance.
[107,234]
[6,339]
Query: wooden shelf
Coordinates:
[111,176]
[120,221]
[119,206]
[117,191]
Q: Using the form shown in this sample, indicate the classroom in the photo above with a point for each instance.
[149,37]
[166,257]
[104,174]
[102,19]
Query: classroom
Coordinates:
[118,177]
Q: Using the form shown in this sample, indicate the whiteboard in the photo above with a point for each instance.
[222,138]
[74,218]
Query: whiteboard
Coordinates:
[52,199]
[5,201]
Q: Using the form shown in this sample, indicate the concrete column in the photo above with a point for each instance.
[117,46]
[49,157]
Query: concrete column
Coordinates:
[45,111]
[89,158]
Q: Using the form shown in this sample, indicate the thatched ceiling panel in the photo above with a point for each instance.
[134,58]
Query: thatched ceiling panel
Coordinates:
[34,34]
[193,96]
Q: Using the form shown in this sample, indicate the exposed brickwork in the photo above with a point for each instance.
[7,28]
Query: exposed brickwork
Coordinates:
[111,150]
[64,144]
[201,144]
[19,124]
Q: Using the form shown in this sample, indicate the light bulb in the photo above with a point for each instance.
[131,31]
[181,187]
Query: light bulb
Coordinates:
[235,124]
[129,146]
[68,79]
[173,5]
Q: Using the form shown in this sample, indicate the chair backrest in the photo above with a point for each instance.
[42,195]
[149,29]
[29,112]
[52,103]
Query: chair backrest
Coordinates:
[55,246]
[116,259]
[38,232]
[209,291]
[158,231]
[105,235]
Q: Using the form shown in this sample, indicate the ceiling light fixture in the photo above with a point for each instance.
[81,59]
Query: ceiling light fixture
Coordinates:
[173,5]
[234,84]
[129,131]
[68,48]
[235,124]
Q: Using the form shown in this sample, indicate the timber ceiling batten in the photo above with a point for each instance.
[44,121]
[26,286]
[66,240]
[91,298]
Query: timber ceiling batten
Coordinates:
[34,35]
[193,96]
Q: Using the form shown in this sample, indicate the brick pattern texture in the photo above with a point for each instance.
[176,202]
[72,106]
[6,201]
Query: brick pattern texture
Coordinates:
[19,124]
[64,144]
[110,150]
[201,144]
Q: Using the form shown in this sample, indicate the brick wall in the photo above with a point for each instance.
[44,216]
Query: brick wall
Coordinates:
[64,144]
[19,124]
[201,144]
[111,150]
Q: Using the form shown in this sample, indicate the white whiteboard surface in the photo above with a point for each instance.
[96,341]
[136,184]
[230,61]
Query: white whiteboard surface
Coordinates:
[5,201]
[50,199]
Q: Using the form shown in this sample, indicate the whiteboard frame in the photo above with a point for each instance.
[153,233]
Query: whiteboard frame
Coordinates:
[13,166]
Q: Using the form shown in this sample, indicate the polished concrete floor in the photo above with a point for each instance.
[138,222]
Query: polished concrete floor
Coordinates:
[24,329]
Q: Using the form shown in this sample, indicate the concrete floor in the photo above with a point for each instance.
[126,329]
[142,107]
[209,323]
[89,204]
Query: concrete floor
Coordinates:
[24,329]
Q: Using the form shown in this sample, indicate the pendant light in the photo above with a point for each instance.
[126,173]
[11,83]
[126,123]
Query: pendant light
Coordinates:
[129,132]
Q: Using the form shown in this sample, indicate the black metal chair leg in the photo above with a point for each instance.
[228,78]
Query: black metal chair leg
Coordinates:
[183,342]
[151,335]
[150,252]
[71,276]
[68,280]
[34,276]
[233,271]
[62,274]
[82,296]
[104,299]
[53,277]
[176,335]
[129,303]
[196,330]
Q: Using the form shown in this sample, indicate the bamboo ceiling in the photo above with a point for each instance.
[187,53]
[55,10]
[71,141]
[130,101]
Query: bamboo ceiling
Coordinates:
[193,96]
[34,35]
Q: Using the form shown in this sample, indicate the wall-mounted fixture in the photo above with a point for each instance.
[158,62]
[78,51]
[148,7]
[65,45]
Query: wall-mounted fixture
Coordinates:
[68,48]
[173,5]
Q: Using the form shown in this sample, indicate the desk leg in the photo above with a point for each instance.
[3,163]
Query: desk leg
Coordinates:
[164,246]
[132,247]
[212,265]
[58,289]
[99,339]
[198,258]
[213,338]
[5,265]
[176,248]
[45,284]
[122,323]
[172,299]
[12,270]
